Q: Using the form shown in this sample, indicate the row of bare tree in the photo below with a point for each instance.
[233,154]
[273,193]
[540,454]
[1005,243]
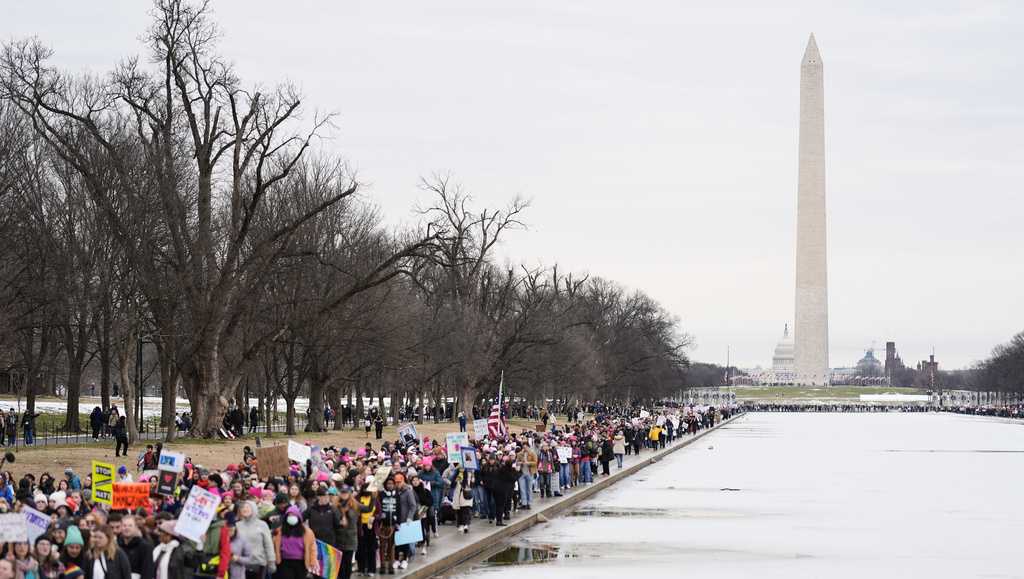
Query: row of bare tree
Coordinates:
[167,202]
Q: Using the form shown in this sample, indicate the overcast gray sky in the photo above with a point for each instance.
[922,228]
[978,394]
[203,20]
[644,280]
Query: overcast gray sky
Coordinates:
[658,143]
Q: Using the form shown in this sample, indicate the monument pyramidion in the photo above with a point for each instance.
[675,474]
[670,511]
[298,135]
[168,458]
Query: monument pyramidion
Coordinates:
[811,328]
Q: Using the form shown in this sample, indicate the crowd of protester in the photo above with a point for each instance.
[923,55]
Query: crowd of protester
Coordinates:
[353,499]
[835,407]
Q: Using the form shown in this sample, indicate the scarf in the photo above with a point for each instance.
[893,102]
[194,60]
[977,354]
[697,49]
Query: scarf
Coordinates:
[162,556]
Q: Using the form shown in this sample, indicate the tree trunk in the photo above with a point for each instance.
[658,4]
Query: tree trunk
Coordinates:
[124,354]
[316,404]
[208,394]
[289,402]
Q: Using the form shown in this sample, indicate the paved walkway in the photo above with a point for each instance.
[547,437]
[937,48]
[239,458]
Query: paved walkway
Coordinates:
[451,548]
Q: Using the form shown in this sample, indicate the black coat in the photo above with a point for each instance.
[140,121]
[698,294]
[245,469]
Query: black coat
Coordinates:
[117,568]
[140,555]
[325,522]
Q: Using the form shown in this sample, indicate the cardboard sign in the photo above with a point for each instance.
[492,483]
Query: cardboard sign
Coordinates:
[454,441]
[564,452]
[171,461]
[407,433]
[167,483]
[480,428]
[36,523]
[197,513]
[131,496]
[300,453]
[13,528]
[271,462]
[102,482]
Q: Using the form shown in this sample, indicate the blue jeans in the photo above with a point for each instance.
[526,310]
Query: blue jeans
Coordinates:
[525,489]
[618,457]
[479,501]
[564,475]
[585,471]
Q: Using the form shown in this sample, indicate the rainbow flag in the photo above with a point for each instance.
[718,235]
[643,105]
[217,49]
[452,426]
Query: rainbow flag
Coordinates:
[329,559]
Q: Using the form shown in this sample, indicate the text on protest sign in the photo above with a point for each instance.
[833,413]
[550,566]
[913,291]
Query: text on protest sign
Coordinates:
[13,528]
[36,523]
[102,482]
[130,496]
[300,453]
[197,513]
[172,461]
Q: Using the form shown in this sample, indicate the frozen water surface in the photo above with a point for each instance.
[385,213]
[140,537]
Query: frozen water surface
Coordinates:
[813,495]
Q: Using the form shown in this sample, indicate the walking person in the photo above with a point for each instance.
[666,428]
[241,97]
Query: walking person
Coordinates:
[462,497]
[607,453]
[619,447]
[366,547]
[121,437]
[295,548]
[11,427]
[256,534]
[108,560]
[254,419]
[350,511]
[526,462]
[28,423]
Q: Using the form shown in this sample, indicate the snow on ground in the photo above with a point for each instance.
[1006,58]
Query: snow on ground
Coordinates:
[817,495]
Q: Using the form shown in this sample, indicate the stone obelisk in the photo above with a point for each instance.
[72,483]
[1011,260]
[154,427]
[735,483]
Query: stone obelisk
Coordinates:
[811,332]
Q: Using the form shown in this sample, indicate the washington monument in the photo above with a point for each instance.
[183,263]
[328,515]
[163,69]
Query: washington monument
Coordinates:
[811,352]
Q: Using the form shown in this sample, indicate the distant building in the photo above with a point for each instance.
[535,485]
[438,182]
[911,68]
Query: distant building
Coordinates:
[893,362]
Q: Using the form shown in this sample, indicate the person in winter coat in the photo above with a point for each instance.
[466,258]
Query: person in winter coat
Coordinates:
[295,548]
[25,566]
[619,447]
[408,510]
[462,496]
[366,547]
[50,566]
[138,548]
[426,501]
[108,561]
[547,465]
[386,529]
[96,422]
[527,461]
[255,532]
[323,519]
[172,559]
[242,558]
[351,512]
[606,455]
[73,555]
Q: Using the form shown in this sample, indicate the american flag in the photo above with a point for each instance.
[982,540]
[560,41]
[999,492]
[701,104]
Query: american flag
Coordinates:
[496,422]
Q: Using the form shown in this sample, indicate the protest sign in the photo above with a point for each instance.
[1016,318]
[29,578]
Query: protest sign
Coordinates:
[300,453]
[469,461]
[130,495]
[407,433]
[102,482]
[197,514]
[480,428]
[13,528]
[379,477]
[172,461]
[167,483]
[454,442]
[36,523]
[271,462]
[564,452]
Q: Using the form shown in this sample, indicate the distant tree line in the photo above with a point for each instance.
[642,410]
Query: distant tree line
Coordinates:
[169,202]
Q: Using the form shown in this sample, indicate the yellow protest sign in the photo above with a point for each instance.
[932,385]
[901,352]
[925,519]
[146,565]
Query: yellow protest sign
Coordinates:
[102,482]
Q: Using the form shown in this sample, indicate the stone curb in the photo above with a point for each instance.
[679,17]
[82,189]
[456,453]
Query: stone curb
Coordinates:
[483,544]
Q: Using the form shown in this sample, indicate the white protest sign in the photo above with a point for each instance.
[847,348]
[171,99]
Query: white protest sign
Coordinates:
[13,528]
[300,453]
[564,452]
[480,428]
[197,514]
[36,523]
[455,441]
[172,461]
